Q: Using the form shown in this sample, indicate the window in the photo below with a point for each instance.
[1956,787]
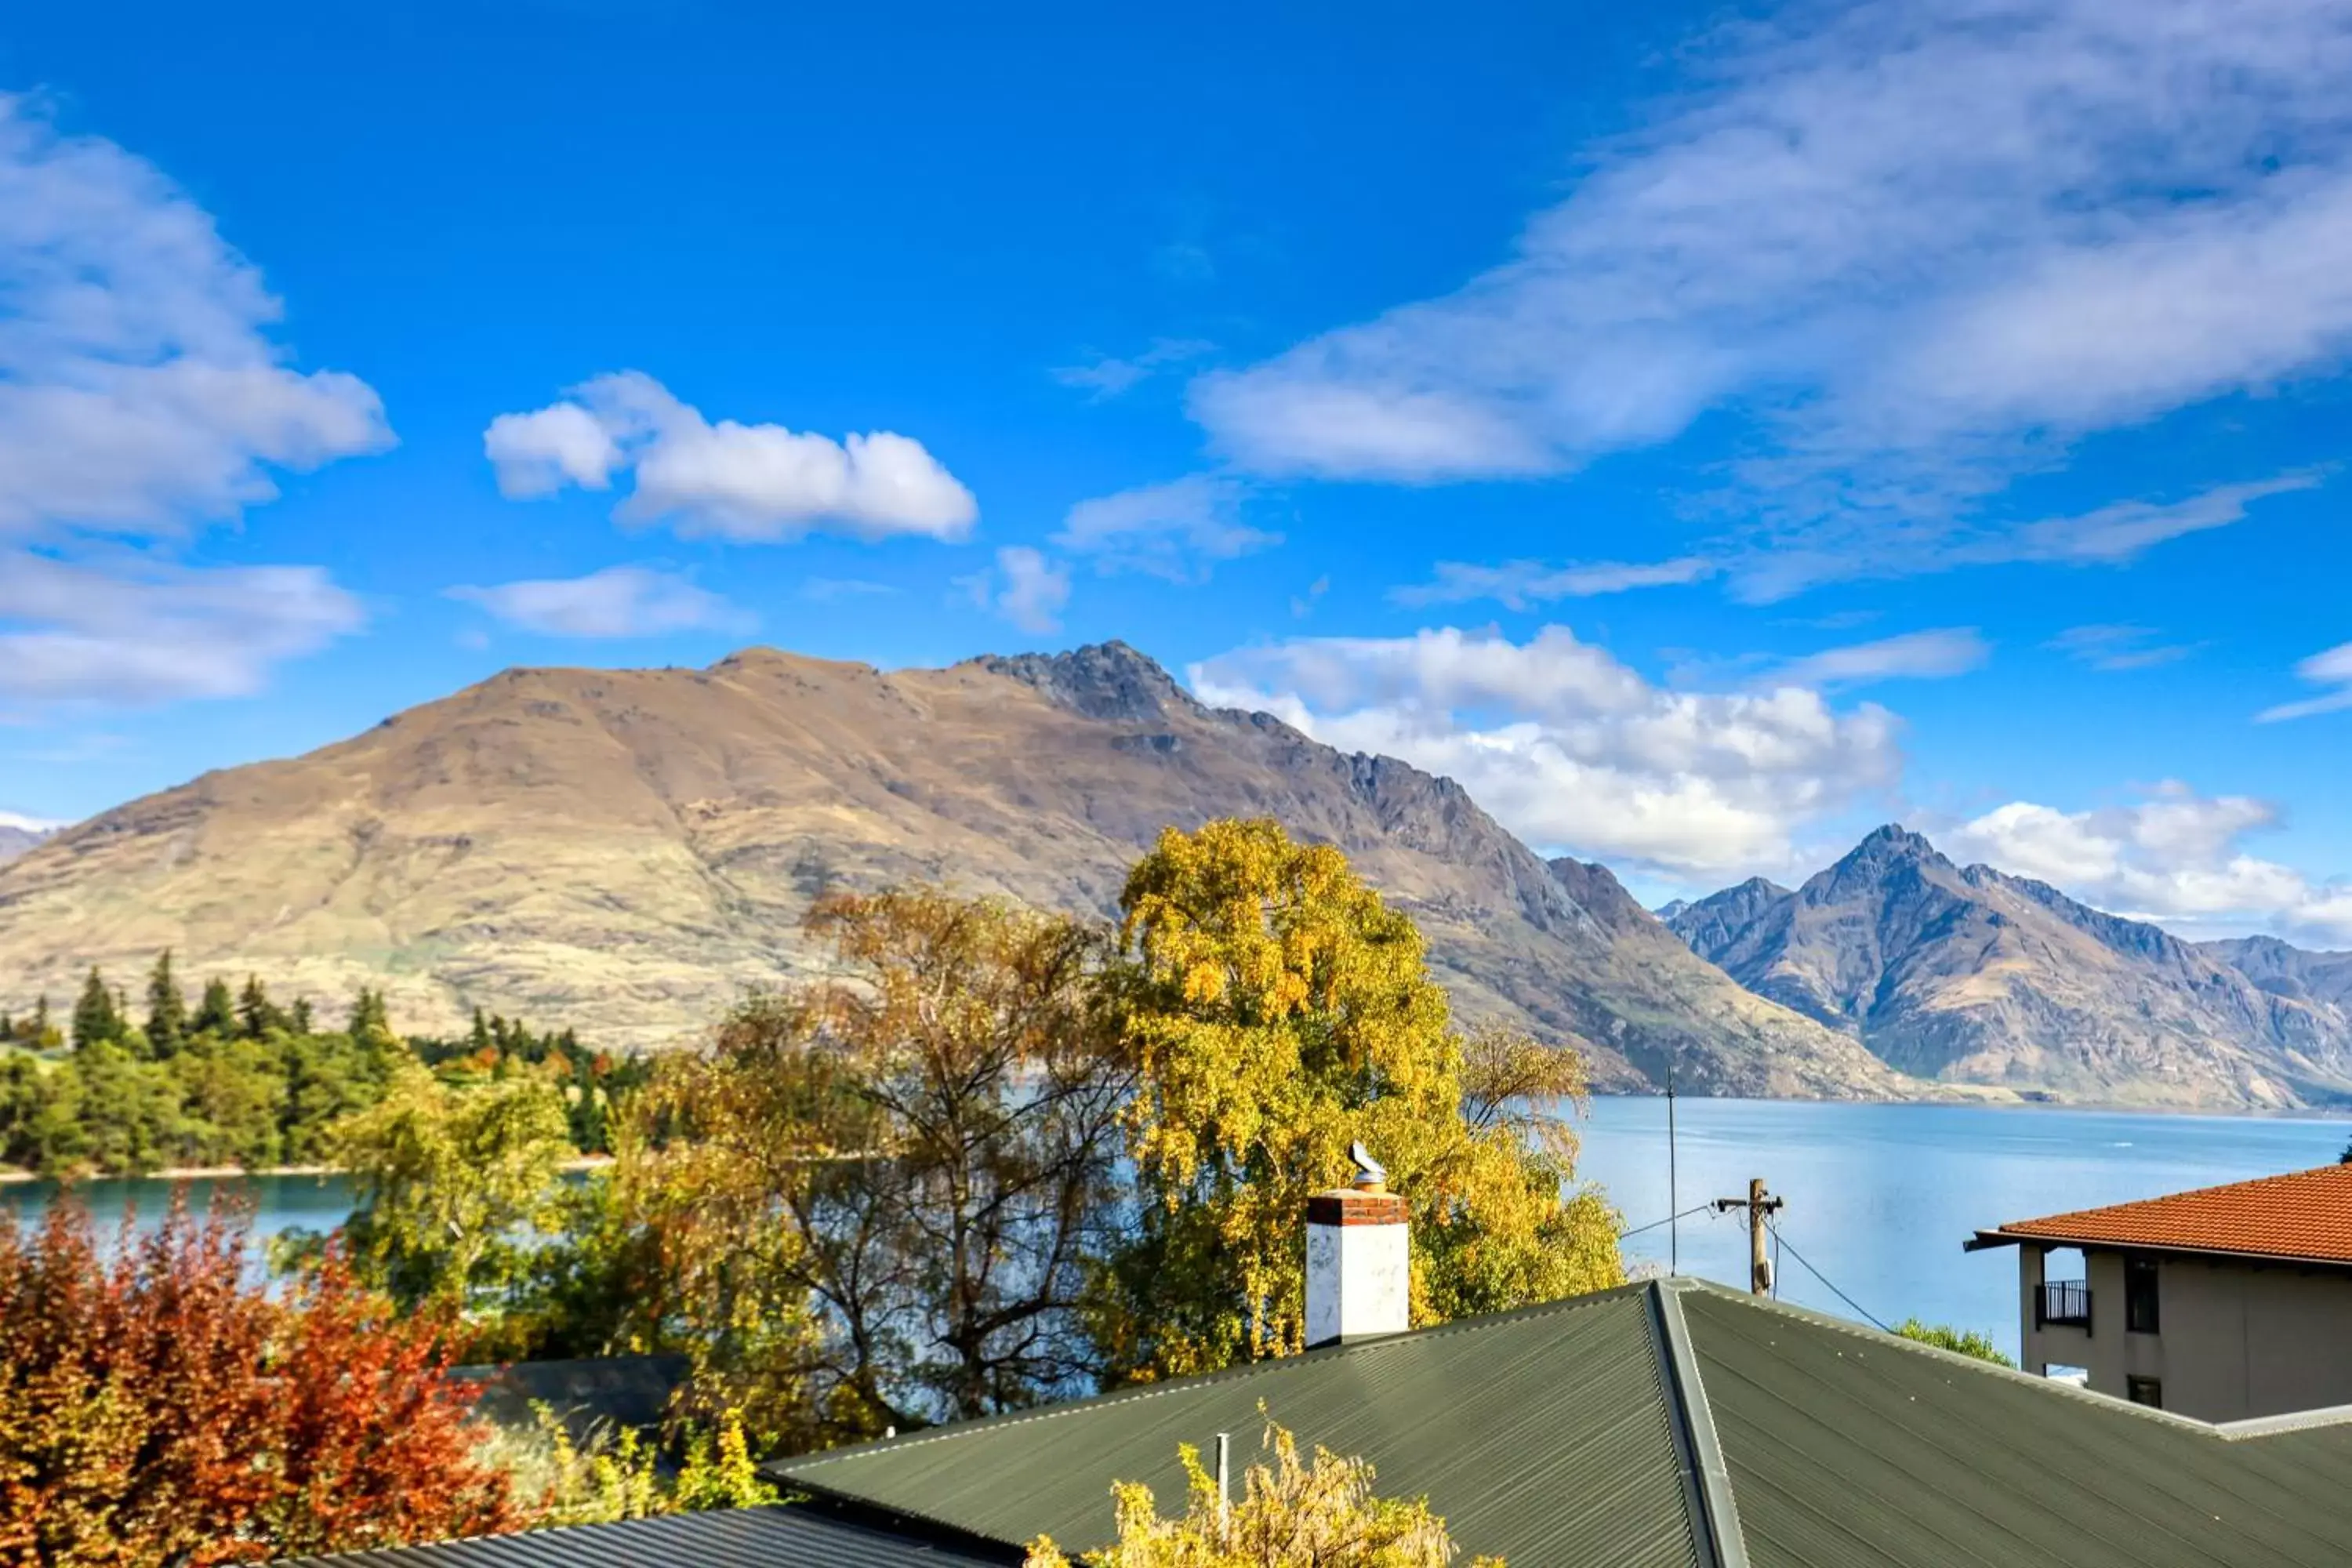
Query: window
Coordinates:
[2148,1391]
[2139,1295]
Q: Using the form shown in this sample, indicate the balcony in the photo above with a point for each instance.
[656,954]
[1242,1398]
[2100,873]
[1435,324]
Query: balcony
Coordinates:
[2063,1303]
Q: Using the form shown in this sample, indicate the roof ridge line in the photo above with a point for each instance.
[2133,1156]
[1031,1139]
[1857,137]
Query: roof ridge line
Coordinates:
[1716,1531]
[1903,1344]
[948,1431]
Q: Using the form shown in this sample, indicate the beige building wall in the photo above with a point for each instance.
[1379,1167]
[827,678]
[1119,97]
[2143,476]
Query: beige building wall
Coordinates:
[2234,1340]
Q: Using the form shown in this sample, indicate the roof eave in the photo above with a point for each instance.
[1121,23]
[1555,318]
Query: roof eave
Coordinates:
[1984,1240]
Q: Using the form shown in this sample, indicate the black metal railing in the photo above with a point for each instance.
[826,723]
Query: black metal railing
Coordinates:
[2065,1302]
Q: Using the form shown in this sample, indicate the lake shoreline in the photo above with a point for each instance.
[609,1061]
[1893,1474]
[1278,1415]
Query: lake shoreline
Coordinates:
[14,1176]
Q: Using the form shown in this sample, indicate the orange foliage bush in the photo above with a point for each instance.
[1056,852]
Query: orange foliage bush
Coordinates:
[158,1406]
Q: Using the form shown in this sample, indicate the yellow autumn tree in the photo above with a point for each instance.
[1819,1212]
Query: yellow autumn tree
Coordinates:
[1275,1009]
[1291,1514]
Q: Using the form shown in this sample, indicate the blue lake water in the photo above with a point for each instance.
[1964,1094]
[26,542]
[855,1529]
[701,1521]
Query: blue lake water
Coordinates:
[1879,1196]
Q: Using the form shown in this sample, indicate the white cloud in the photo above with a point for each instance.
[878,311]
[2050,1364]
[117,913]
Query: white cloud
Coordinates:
[2118,648]
[1917,244]
[2174,857]
[1574,751]
[745,482]
[1105,377]
[2332,667]
[538,454]
[24,823]
[138,386]
[135,629]
[1516,584]
[1925,656]
[141,397]
[1025,588]
[1173,531]
[617,602]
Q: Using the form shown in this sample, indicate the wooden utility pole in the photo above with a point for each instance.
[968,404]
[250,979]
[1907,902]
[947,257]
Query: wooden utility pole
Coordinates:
[1759,1263]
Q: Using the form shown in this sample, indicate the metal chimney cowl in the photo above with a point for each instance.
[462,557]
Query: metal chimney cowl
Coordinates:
[1358,1264]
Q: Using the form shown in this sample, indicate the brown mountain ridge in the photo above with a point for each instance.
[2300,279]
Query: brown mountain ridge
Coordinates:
[1968,974]
[625,851]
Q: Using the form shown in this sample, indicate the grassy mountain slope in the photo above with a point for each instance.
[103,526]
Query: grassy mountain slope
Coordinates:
[623,851]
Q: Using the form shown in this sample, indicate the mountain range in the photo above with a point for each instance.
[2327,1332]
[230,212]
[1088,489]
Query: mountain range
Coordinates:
[1967,974]
[625,851]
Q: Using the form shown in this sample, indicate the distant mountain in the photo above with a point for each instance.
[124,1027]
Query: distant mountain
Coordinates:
[623,851]
[16,836]
[2286,971]
[1970,976]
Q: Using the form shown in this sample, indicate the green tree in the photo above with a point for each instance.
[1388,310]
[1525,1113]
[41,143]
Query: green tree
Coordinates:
[451,1187]
[257,1015]
[370,1020]
[1965,1341]
[167,1010]
[215,1011]
[1276,1010]
[96,1019]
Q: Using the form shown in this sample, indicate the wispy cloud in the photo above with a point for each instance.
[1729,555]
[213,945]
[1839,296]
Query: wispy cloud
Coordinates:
[1025,587]
[1177,530]
[1106,377]
[1914,655]
[757,483]
[141,396]
[617,602]
[133,629]
[1917,245]
[2331,669]
[2118,648]
[825,589]
[1516,584]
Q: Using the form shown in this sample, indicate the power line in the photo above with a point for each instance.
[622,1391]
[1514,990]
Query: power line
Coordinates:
[1694,1208]
[1825,1280]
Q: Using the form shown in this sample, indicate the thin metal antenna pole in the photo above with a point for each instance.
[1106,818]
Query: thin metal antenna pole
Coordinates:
[1673,1183]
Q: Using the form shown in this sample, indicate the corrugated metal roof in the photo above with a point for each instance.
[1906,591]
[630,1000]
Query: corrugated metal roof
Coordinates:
[1848,1448]
[1585,1434]
[731,1538]
[1544,1435]
[2304,1214]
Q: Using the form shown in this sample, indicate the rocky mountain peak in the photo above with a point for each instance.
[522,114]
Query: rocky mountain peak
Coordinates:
[1110,680]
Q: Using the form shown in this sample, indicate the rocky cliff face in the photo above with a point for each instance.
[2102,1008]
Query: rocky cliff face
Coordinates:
[623,851]
[1968,974]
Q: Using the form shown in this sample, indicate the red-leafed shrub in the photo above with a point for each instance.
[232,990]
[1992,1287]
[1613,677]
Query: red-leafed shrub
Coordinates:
[158,1406]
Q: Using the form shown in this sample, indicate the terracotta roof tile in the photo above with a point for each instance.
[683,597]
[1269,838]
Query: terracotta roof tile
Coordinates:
[2304,1213]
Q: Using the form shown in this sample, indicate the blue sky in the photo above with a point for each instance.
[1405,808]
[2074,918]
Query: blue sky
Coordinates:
[1705,436]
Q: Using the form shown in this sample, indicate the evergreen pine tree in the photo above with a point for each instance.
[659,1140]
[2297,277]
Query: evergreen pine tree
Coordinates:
[481,1037]
[303,1020]
[257,1015]
[371,1019]
[96,1020]
[41,1034]
[167,1010]
[216,1014]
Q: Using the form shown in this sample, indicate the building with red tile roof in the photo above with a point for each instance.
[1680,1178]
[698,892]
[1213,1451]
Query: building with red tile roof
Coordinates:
[2222,1303]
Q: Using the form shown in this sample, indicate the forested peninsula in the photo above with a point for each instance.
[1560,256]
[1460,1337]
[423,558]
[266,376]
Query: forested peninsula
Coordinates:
[240,1080]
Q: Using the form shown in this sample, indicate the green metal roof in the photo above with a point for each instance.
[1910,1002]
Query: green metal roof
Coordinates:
[1670,1423]
[1546,1435]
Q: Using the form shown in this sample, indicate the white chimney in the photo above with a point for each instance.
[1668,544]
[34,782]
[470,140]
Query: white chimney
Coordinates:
[1358,1261]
